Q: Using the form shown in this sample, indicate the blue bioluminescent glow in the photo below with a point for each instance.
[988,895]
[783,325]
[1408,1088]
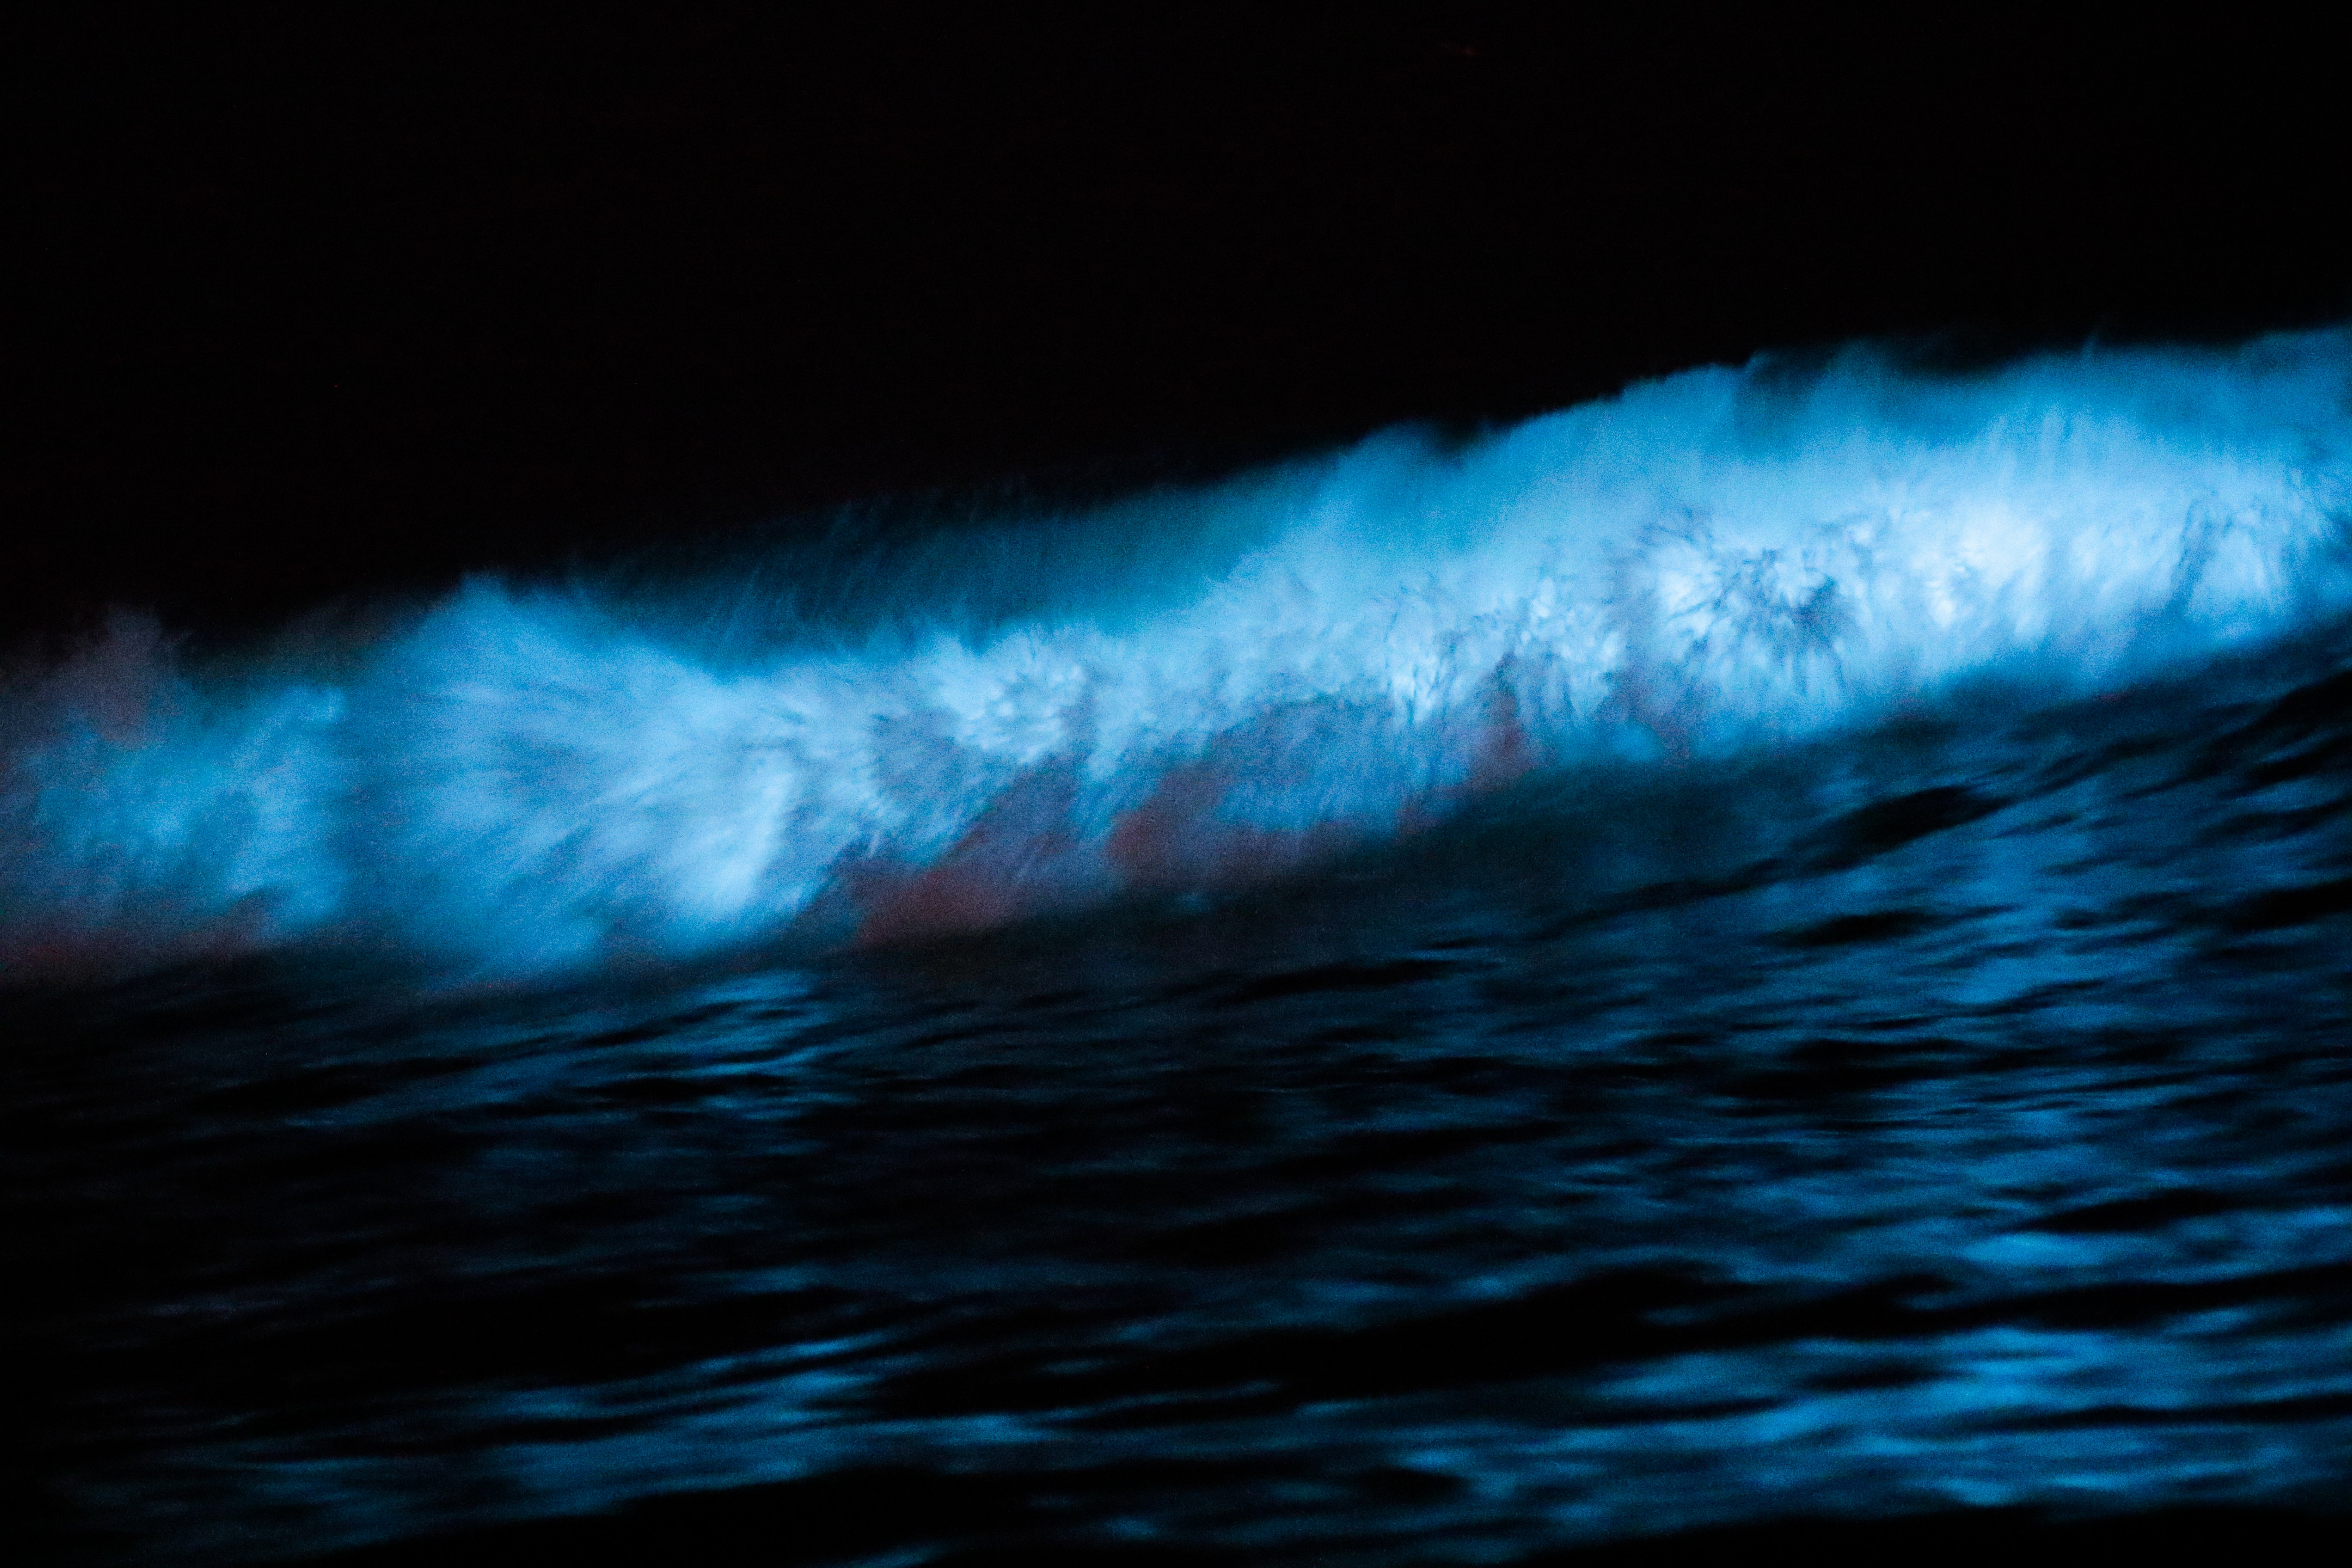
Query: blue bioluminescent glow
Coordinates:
[1764,952]
[520,781]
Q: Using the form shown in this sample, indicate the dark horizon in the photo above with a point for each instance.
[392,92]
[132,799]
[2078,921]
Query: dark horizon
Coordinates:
[321,308]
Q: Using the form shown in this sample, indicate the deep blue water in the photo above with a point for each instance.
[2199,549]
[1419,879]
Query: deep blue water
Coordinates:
[1775,953]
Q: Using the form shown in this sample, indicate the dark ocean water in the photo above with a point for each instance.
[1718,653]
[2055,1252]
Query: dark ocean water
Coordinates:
[1937,1109]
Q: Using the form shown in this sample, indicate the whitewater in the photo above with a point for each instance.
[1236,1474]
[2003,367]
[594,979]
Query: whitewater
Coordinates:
[1174,694]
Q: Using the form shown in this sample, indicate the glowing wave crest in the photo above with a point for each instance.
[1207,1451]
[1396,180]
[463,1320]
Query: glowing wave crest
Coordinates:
[523,781]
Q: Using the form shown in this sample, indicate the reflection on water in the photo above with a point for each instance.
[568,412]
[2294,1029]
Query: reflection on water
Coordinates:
[1951,1115]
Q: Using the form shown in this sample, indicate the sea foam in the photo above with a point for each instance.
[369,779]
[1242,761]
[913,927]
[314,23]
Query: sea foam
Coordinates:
[1180,692]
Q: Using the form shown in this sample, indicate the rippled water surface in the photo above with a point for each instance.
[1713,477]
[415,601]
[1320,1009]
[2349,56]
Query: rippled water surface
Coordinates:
[1949,1114]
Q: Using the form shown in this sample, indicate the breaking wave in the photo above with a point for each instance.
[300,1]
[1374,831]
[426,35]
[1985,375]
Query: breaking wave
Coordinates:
[1178,692]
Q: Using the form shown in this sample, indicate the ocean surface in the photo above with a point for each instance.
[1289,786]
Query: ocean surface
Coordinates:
[1771,949]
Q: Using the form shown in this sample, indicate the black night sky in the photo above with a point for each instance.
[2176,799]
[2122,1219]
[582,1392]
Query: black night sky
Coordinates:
[311,304]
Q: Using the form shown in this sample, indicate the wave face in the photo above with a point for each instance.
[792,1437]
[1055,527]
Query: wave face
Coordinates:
[1180,693]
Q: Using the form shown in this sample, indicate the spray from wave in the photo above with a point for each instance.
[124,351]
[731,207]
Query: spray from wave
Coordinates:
[1180,693]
